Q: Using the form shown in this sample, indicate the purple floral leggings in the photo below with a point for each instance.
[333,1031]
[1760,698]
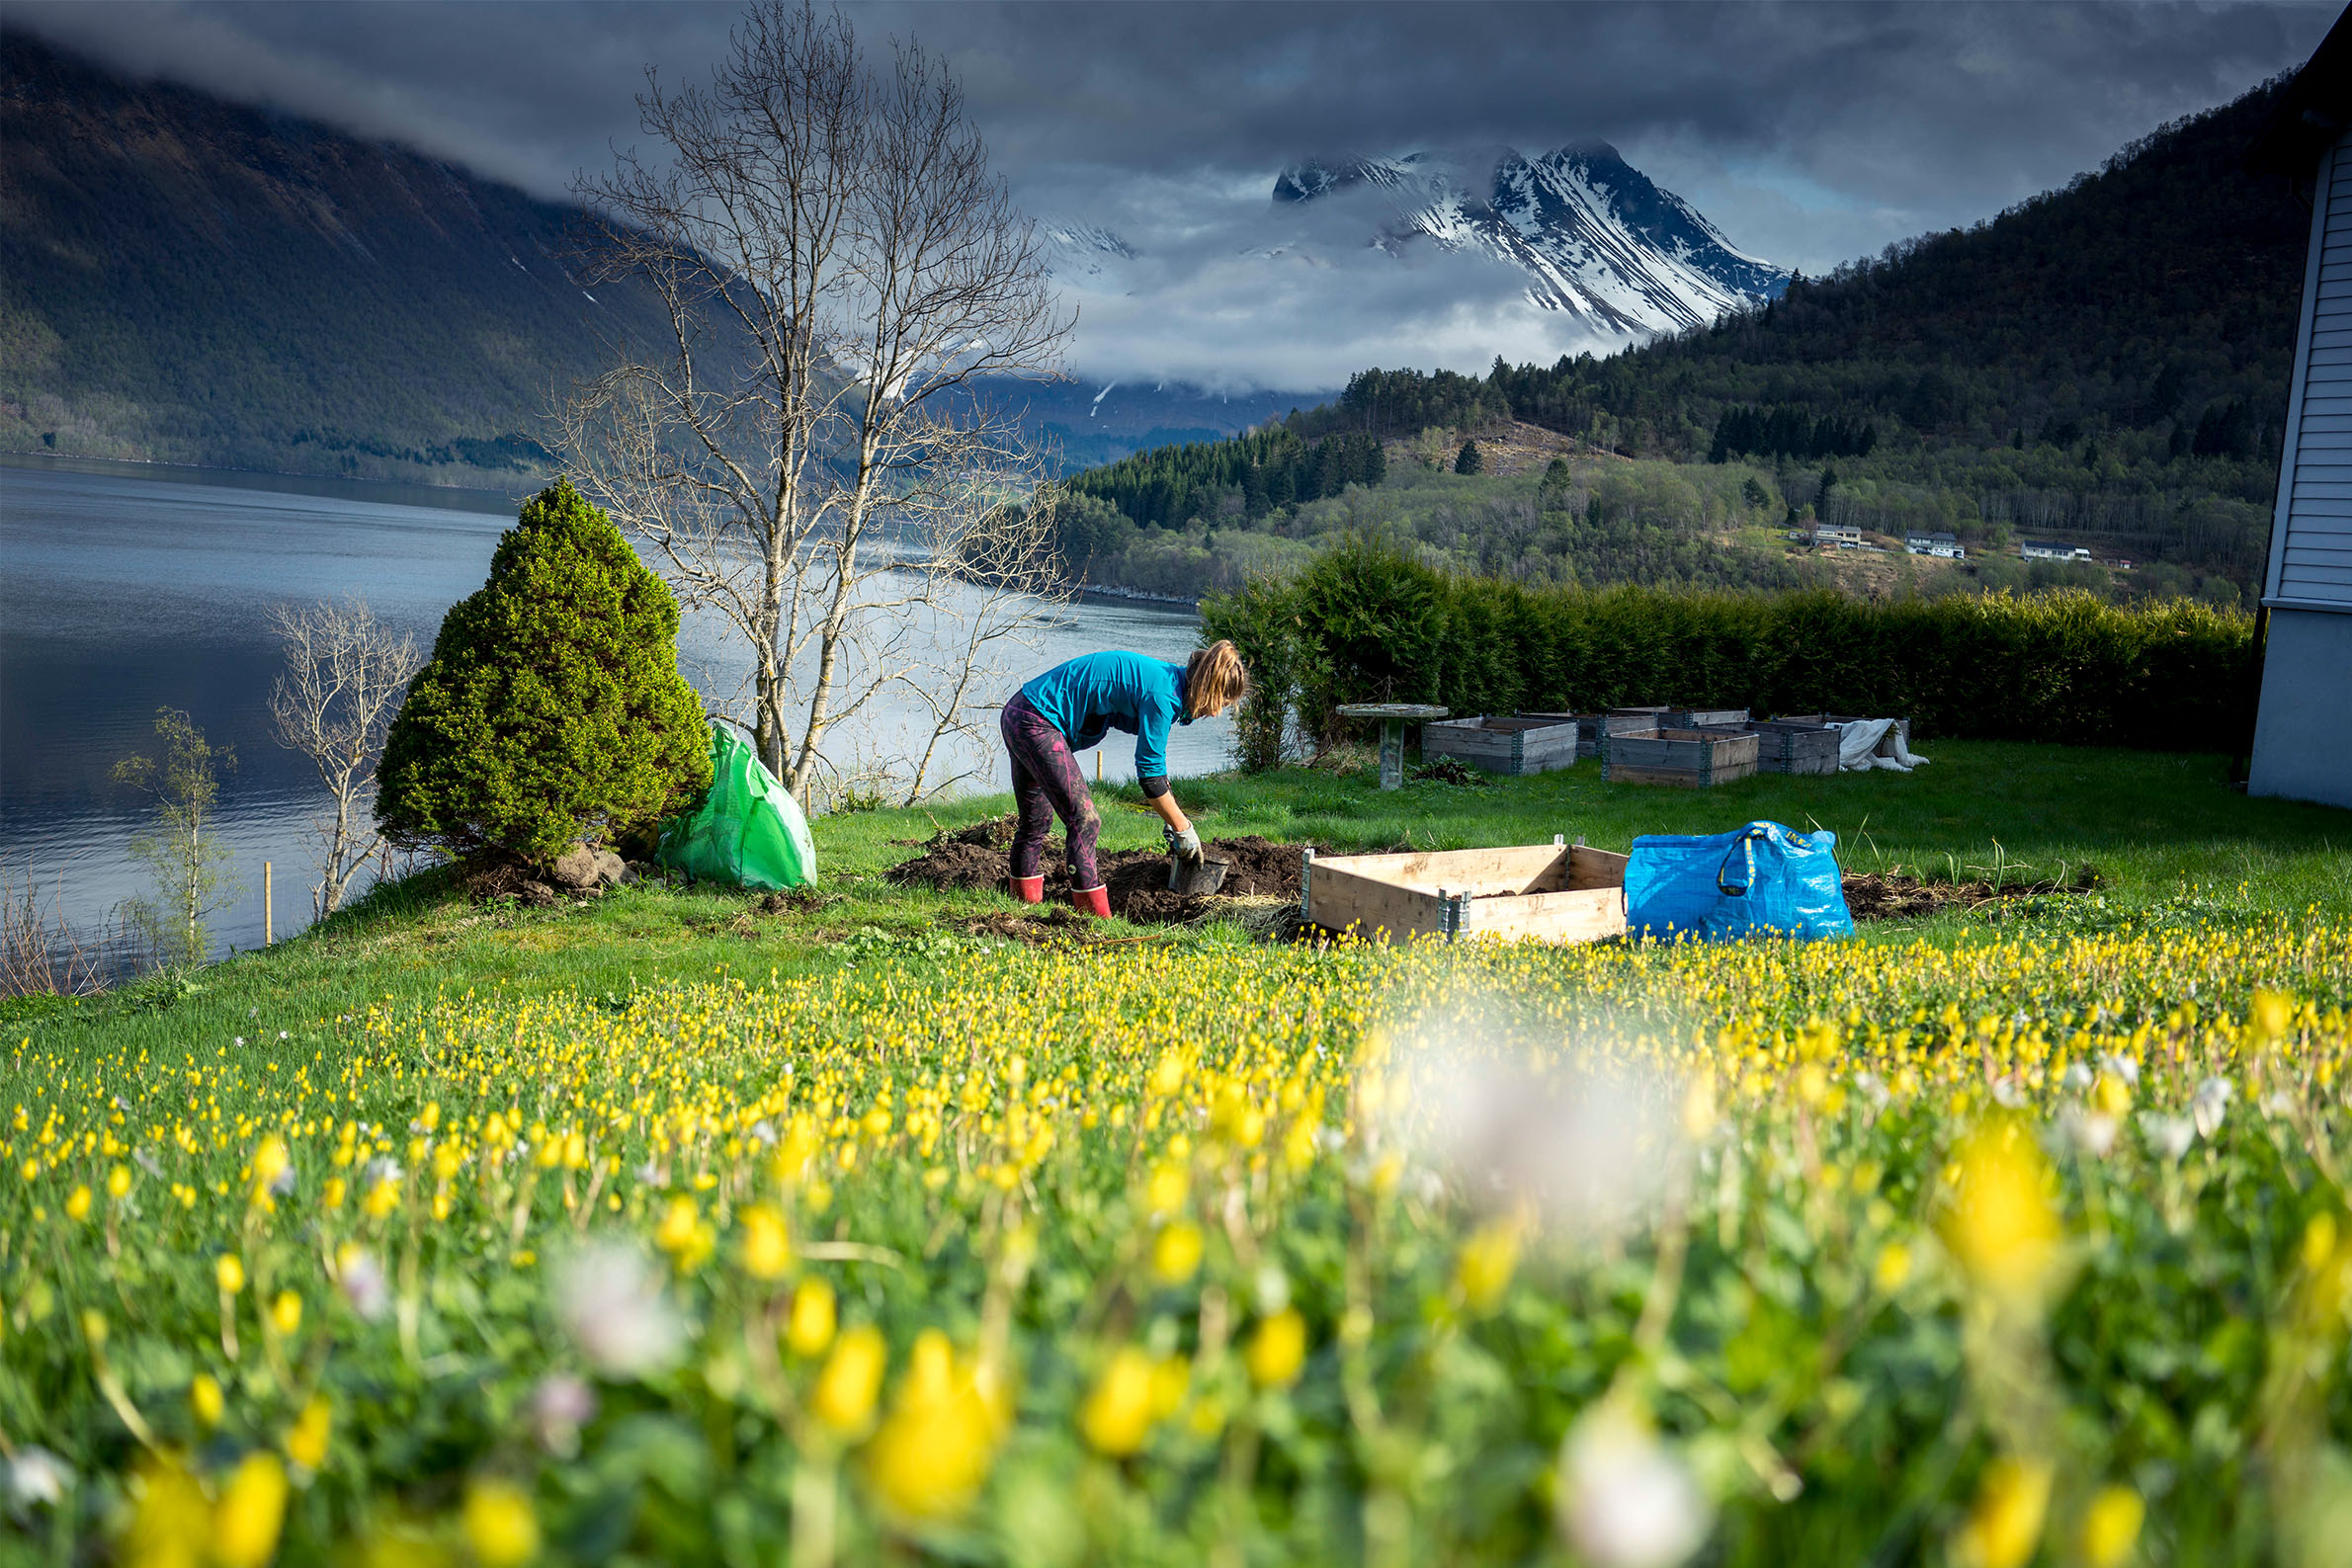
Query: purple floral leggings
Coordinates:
[1046,781]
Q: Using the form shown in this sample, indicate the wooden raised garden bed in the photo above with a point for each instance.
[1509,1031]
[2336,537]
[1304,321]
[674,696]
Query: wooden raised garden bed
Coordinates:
[1702,719]
[1690,758]
[1885,746]
[1794,746]
[1545,892]
[1512,746]
[1590,727]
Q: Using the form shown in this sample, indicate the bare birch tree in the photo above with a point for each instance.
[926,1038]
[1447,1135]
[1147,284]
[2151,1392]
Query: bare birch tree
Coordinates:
[345,675]
[816,452]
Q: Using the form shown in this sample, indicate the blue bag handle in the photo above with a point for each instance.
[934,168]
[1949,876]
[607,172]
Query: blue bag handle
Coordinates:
[1747,847]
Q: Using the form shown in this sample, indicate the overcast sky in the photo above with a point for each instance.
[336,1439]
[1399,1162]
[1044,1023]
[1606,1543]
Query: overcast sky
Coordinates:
[1810,135]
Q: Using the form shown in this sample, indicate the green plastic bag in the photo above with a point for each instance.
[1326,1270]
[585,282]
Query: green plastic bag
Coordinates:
[747,831]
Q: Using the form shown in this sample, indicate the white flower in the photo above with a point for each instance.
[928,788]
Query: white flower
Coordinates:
[764,1130]
[2077,1078]
[2125,1067]
[2213,1098]
[2171,1135]
[362,1281]
[1873,1090]
[281,1033]
[559,1407]
[241,1039]
[608,1297]
[1625,1501]
[37,1475]
[2278,1102]
[2092,1133]
[2007,1091]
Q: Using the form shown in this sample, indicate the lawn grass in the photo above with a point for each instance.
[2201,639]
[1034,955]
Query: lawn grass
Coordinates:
[2167,833]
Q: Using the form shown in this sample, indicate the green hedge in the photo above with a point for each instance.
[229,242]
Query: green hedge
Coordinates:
[1368,623]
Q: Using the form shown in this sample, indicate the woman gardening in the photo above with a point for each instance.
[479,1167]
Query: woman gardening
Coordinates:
[1069,708]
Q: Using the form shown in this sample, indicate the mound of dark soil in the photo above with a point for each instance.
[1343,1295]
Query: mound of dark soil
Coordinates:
[979,857]
[1874,896]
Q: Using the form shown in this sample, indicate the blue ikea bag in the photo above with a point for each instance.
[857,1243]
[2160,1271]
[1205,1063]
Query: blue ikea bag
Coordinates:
[1760,877]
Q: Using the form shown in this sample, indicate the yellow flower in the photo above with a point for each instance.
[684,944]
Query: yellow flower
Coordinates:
[1176,1252]
[229,1270]
[810,1329]
[2271,1015]
[2005,1525]
[852,1379]
[1171,1379]
[1893,1266]
[1170,1183]
[117,1181]
[286,1313]
[332,1196]
[77,1204]
[930,1459]
[1278,1349]
[270,1161]
[1700,1112]
[1118,1413]
[684,1235]
[2111,1096]
[2002,1226]
[1489,1259]
[501,1525]
[251,1511]
[381,1199]
[306,1444]
[2111,1526]
[203,1397]
[172,1520]
[766,1245]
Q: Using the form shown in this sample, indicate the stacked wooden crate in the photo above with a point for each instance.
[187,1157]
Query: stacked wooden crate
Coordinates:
[1530,743]
[1886,747]
[1702,719]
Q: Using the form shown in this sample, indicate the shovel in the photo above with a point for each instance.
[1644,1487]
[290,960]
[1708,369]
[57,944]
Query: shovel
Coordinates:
[1196,877]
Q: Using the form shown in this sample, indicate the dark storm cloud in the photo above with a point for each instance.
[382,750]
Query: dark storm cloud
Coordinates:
[1810,135]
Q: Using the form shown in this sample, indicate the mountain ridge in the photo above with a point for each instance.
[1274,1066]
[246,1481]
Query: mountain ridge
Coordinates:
[1597,238]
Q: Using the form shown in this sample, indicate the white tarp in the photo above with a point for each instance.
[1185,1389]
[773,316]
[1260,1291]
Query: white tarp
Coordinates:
[1859,742]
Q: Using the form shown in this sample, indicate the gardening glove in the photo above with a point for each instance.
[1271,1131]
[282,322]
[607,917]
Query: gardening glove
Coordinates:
[1185,846]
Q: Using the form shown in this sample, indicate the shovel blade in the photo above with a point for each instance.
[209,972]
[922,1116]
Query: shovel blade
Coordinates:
[1198,877]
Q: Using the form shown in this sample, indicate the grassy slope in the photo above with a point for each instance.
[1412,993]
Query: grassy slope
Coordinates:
[2166,831]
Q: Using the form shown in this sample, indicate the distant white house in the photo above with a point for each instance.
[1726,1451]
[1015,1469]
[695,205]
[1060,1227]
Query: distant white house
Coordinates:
[1845,538]
[2303,725]
[1799,536]
[2046,550]
[1941,545]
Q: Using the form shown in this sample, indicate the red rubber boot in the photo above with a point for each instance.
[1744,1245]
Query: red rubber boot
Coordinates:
[1029,889]
[1091,902]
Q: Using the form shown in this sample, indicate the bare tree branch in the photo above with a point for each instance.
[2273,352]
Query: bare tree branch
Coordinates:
[844,280]
[345,673]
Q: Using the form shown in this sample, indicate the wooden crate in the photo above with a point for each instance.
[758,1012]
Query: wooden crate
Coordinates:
[1886,747]
[1790,746]
[1590,727]
[1510,746]
[1553,892]
[1691,758]
[1702,719]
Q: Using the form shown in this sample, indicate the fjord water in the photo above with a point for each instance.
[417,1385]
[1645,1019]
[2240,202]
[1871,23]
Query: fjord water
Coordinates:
[125,588]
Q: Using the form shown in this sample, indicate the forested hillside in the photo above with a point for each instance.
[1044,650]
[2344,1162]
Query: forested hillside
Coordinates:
[186,280]
[2107,363]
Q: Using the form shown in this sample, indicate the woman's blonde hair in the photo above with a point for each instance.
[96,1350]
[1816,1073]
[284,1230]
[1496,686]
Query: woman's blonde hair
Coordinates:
[1213,679]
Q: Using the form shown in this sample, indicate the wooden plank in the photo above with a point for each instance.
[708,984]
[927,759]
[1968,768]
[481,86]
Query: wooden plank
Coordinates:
[1340,899]
[1510,869]
[1590,867]
[1583,915]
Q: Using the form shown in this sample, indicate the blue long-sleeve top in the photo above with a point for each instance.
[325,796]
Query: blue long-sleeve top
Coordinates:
[1087,697]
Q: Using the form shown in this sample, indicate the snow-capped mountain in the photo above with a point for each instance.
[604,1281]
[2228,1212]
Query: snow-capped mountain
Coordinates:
[1594,235]
[1081,250]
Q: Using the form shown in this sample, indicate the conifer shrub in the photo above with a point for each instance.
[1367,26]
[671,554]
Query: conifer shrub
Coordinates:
[1368,622]
[553,708]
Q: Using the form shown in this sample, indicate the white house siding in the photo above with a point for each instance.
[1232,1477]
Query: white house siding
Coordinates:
[2302,731]
[2312,549]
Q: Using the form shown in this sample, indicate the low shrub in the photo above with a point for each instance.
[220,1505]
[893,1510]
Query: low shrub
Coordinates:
[1369,624]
